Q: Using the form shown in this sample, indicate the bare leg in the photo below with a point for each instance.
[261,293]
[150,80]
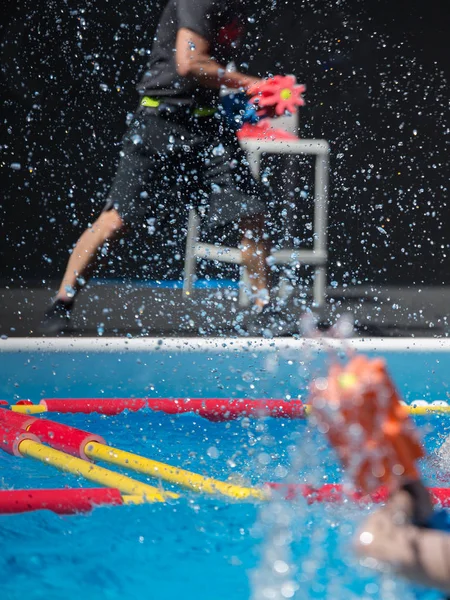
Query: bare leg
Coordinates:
[85,255]
[254,255]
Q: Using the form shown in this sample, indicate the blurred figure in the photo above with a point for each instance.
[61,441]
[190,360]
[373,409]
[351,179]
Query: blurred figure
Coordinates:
[408,536]
[358,407]
[179,149]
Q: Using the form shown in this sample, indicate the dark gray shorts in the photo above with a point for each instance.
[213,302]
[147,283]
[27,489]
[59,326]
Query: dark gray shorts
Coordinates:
[170,162]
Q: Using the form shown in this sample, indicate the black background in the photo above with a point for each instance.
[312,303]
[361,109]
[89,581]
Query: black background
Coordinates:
[375,72]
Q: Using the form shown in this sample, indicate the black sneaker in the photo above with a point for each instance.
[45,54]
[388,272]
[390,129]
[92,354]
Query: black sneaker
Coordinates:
[57,317]
[270,322]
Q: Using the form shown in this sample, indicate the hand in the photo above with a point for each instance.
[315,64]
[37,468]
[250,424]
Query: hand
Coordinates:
[253,90]
[266,112]
[251,85]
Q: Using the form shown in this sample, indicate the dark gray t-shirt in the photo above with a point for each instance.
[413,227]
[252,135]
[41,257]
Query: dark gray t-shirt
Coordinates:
[221,22]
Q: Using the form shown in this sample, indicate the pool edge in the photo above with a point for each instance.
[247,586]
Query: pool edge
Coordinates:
[219,344]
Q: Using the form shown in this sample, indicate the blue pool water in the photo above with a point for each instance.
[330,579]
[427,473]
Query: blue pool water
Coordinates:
[198,547]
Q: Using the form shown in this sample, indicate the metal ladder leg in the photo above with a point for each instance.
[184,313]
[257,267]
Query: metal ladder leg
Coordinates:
[190,260]
[245,287]
[320,226]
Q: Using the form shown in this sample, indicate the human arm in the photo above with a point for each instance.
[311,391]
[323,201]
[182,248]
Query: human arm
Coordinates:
[390,536]
[193,59]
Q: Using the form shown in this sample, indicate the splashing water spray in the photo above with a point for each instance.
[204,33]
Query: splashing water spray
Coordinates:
[358,408]
[277,574]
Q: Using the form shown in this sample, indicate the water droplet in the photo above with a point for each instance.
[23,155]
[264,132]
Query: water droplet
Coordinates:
[213,452]
[219,150]
[280,566]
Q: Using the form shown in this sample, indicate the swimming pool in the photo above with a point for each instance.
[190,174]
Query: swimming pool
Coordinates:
[198,547]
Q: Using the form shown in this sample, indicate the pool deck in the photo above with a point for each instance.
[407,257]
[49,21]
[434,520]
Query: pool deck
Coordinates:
[111,310]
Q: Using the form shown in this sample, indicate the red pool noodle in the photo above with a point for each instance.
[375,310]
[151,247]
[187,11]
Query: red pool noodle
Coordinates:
[226,409]
[214,409]
[11,419]
[218,409]
[63,437]
[13,430]
[63,502]
[333,492]
[10,439]
[57,435]
[104,406]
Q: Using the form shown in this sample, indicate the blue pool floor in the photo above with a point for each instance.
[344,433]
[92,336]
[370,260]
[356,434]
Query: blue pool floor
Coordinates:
[195,547]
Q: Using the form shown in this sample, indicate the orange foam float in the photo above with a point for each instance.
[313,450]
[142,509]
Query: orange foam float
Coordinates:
[359,410]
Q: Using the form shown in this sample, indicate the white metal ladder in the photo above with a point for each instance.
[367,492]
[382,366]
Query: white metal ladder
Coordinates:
[317,256]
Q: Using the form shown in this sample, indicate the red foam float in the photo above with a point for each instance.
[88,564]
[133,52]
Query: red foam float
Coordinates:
[59,436]
[14,420]
[63,437]
[334,492]
[214,409]
[225,409]
[10,439]
[63,502]
[13,431]
[103,406]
